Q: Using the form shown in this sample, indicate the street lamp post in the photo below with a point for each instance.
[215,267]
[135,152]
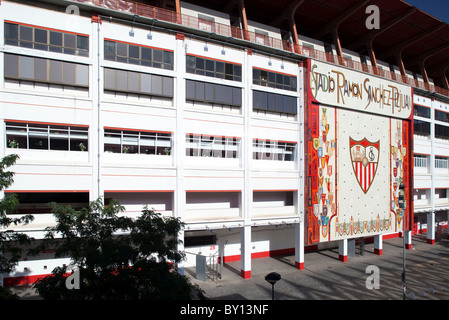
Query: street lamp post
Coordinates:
[272,278]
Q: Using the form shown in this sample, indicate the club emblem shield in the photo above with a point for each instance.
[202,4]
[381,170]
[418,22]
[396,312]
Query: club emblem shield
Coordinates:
[364,158]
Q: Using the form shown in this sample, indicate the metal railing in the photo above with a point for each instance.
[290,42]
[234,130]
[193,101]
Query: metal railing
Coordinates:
[149,11]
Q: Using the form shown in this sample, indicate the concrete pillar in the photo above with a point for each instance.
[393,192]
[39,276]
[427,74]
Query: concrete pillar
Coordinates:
[431,227]
[408,240]
[343,250]
[299,245]
[378,244]
[245,252]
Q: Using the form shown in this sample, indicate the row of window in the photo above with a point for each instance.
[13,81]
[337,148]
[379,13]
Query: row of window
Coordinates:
[75,138]
[425,113]
[423,128]
[46,40]
[420,161]
[140,55]
[46,70]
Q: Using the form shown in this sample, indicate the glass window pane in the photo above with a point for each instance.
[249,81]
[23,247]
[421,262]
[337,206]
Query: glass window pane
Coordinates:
[156,85]
[220,94]
[134,81]
[55,38]
[122,49]
[209,92]
[82,43]
[157,55]
[11,65]
[145,83]
[68,73]
[40,69]
[26,33]
[190,90]
[237,96]
[263,100]
[109,50]
[256,99]
[26,67]
[69,40]
[40,35]
[146,53]
[122,80]
[11,34]
[199,91]
[109,79]
[55,71]
[134,52]
[82,75]
[168,86]
[190,64]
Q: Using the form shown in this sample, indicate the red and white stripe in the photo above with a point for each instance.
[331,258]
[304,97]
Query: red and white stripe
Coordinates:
[365,175]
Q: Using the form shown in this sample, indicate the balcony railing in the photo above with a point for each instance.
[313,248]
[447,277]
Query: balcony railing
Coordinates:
[148,11]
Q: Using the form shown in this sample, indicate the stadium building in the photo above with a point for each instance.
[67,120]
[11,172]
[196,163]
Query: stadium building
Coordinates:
[267,127]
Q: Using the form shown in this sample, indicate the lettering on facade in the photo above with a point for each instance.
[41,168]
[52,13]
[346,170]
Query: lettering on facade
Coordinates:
[341,87]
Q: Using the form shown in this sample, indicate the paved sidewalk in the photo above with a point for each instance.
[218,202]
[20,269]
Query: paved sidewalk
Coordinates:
[325,277]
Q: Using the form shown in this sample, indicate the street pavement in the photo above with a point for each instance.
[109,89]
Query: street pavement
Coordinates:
[324,277]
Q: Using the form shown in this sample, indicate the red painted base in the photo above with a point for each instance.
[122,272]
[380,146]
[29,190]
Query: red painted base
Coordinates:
[342,258]
[408,246]
[245,274]
[299,265]
[431,241]
[378,251]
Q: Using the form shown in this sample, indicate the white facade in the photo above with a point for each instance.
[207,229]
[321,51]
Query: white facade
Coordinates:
[232,172]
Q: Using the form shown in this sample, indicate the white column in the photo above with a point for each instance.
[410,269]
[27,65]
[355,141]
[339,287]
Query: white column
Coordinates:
[299,245]
[245,251]
[431,214]
[343,250]
[408,240]
[378,244]
[431,226]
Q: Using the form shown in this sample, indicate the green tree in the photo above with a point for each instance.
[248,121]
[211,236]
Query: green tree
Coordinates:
[11,242]
[116,257]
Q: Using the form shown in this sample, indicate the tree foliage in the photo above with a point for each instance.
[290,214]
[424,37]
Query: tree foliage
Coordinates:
[117,257]
[10,241]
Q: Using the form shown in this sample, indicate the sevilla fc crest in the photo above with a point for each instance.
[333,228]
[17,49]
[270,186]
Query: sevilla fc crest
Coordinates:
[364,158]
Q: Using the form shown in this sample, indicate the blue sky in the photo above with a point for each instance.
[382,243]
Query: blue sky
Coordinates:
[437,8]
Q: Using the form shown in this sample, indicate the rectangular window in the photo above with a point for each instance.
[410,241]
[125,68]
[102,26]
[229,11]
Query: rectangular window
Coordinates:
[213,93]
[46,137]
[421,111]
[274,102]
[136,54]
[137,142]
[46,40]
[137,82]
[274,79]
[441,162]
[441,132]
[45,70]
[198,145]
[421,127]
[213,68]
[420,161]
[273,150]
[441,116]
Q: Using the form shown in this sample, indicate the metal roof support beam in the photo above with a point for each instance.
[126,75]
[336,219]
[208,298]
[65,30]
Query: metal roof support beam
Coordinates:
[244,20]
[444,78]
[337,42]
[424,75]
[401,64]
[287,13]
[400,47]
[335,23]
